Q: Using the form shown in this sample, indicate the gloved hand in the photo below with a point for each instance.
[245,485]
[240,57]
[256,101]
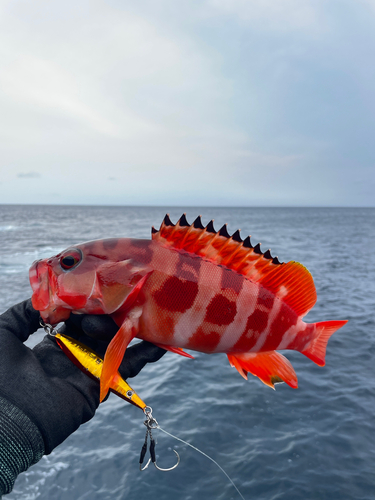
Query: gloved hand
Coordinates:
[45,387]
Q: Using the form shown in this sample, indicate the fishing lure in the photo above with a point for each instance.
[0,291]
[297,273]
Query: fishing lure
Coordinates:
[188,287]
[91,364]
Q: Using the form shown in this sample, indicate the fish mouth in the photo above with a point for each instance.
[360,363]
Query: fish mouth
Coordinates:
[43,297]
[38,276]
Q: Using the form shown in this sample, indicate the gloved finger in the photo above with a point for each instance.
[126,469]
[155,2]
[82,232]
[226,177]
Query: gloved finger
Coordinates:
[100,327]
[137,356]
[20,320]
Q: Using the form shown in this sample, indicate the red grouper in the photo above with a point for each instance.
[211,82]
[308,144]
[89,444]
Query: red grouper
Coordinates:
[188,287]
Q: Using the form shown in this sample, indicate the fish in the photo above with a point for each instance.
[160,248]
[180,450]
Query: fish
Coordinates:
[92,364]
[188,287]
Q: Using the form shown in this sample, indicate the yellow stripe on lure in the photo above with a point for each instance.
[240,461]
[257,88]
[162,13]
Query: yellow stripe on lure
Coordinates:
[92,364]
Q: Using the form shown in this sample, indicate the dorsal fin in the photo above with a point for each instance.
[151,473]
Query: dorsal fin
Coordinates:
[217,246]
[294,284]
[291,282]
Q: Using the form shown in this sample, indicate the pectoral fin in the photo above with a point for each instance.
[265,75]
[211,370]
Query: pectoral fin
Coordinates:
[271,367]
[114,354]
[117,347]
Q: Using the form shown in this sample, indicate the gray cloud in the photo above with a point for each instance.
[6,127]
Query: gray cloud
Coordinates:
[29,175]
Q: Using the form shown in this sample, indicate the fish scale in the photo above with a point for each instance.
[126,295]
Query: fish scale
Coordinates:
[189,287]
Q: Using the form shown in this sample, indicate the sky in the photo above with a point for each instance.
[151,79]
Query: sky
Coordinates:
[187,103]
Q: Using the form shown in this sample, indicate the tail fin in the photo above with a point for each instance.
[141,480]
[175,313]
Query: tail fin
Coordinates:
[316,349]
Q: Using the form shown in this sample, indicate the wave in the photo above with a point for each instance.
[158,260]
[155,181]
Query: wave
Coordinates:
[20,262]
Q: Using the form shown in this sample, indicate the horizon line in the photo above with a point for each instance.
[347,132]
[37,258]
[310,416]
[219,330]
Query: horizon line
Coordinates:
[180,206]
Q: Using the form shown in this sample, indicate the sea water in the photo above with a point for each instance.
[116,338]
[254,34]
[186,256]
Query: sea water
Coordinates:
[316,442]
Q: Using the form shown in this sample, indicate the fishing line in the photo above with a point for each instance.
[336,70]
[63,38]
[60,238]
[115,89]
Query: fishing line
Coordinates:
[200,451]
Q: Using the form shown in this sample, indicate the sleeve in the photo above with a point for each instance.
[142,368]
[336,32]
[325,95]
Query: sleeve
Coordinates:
[21,444]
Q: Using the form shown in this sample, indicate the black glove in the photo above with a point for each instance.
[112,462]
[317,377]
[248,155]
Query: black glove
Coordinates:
[45,387]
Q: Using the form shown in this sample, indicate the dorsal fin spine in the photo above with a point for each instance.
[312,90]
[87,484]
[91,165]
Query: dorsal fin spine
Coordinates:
[247,242]
[198,223]
[210,227]
[183,222]
[224,231]
[267,254]
[236,236]
[257,249]
[167,221]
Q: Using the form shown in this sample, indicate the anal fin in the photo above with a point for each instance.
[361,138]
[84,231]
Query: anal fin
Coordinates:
[271,367]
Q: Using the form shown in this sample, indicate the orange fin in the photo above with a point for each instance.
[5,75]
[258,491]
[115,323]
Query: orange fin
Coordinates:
[217,246]
[271,367]
[294,285]
[316,350]
[114,354]
[177,350]
[117,347]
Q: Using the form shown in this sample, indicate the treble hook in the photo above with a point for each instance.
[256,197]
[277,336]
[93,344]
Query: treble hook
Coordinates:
[151,423]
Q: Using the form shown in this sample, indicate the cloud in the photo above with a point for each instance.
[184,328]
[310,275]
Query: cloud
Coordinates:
[210,102]
[43,84]
[280,15]
[29,175]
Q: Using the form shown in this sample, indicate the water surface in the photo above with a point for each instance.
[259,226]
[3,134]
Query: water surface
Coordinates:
[316,442]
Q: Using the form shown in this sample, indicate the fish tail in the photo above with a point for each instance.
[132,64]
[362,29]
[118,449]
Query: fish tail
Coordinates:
[316,348]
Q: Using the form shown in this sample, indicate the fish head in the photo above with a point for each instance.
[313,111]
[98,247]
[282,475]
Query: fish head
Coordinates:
[90,278]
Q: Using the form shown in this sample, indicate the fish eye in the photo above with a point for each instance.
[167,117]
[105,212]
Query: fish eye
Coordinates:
[70,259]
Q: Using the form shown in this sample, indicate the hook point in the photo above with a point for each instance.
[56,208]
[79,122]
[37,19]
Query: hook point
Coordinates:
[170,468]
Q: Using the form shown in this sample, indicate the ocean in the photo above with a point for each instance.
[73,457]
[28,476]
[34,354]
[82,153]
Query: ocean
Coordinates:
[316,442]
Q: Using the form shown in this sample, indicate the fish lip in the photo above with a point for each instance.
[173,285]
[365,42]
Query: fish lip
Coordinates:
[55,316]
[34,275]
[43,298]
[38,277]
